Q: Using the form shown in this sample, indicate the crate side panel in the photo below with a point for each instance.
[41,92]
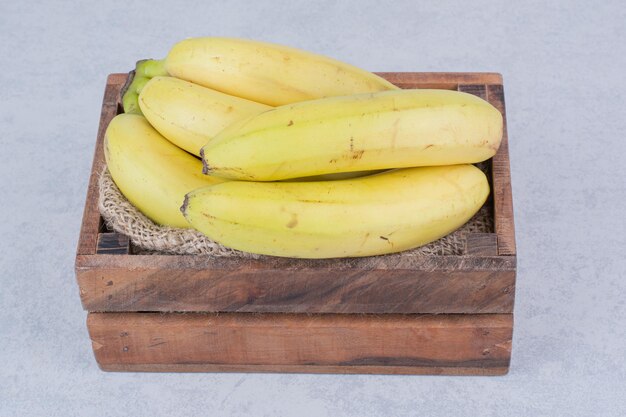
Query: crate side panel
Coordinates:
[444,80]
[390,284]
[91,216]
[308,369]
[503,197]
[276,340]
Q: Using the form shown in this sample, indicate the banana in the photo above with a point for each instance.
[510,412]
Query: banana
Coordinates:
[267,73]
[151,172]
[378,214]
[188,114]
[391,129]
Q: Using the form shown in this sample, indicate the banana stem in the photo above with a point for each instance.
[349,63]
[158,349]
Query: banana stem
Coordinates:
[144,71]
[151,67]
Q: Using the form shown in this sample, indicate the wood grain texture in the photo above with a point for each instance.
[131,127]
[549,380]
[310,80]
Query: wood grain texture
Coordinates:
[112,243]
[440,344]
[91,216]
[444,80]
[479,90]
[501,180]
[390,284]
[481,244]
[477,282]
[309,369]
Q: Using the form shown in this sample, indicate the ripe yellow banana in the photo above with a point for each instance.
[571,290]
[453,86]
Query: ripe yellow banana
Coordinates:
[378,214]
[151,172]
[267,73]
[188,114]
[392,129]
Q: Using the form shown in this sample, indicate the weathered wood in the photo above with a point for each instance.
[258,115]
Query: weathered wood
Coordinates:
[479,90]
[395,261]
[112,243]
[481,244]
[91,216]
[435,344]
[364,285]
[501,179]
[309,369]
[444,80]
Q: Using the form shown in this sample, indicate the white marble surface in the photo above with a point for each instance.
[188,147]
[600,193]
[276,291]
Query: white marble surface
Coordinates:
[563,65]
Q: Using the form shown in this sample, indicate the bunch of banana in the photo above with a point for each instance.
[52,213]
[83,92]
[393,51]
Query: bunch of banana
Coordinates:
[327,160]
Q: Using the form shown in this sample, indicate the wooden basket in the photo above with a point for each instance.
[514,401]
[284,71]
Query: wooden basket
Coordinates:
[385,314]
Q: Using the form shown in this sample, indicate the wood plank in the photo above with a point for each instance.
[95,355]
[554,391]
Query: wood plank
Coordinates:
[448,344]
[479,90]
[444,80]
[91,216]
[501,179]
[310,369]
[112,243]
[117,79]
[385,284]
[481,244]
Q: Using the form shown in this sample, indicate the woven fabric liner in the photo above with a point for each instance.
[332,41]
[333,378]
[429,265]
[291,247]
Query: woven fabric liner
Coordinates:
[149,238]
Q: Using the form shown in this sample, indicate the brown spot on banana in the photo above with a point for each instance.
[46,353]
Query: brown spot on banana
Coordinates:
[293,222]
[208,216]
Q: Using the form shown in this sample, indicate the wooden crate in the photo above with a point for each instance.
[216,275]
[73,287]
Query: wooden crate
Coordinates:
[385,314]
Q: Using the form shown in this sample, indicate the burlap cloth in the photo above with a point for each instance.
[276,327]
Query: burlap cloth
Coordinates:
[147,237]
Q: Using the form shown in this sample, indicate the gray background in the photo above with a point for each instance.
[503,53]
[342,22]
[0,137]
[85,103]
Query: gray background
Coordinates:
[563,65]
